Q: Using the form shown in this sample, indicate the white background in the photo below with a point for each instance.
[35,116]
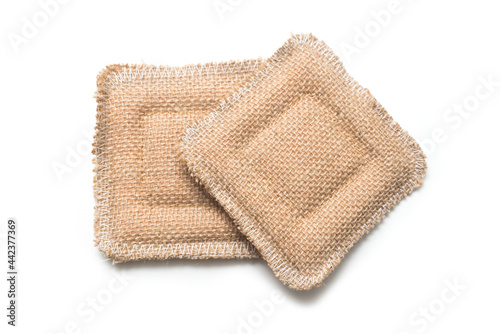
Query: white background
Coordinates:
[428,58]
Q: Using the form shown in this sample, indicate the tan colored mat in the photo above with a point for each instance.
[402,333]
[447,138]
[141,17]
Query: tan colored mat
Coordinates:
[148,207]
[305,160]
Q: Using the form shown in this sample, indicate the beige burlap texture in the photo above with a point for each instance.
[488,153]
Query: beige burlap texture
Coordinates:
[147,205]
[305,160]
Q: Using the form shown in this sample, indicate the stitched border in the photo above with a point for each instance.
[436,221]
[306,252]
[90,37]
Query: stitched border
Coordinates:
[290,276]
[110,78]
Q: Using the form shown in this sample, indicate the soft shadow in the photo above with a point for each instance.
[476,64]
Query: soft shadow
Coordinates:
[180,263]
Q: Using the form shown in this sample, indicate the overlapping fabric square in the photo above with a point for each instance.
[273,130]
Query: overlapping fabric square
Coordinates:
[304,160]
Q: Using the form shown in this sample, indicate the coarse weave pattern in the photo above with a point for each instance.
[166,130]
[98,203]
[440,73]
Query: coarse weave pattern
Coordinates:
[305,160]
[147,205]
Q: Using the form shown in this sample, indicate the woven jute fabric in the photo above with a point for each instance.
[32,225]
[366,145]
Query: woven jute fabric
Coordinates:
[305,160]
[147,205]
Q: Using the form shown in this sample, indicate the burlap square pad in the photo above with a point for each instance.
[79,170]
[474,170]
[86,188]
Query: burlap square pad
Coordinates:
[305,160]
[148,206]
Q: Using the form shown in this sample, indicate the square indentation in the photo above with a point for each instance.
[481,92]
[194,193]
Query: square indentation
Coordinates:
[165,179]
[317,143]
